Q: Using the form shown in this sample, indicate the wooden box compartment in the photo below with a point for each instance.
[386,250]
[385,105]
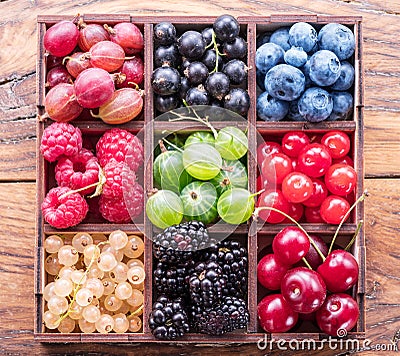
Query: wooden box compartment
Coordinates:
[252,236]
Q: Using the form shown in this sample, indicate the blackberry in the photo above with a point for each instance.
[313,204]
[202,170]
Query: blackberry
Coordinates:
[228,315]
[172,280]
[232,258]
[206,284]
[180,243]
[168,319]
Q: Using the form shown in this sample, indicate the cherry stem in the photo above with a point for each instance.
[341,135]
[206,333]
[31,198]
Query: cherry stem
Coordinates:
[360,224]
[255,213]
[258,193]
[306,263]
[197,119]
[359,200]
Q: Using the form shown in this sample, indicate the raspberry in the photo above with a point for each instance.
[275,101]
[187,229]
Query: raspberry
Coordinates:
[117,174]
[120,145]
[78,171]
[68,211]
[60,138]
[122,210]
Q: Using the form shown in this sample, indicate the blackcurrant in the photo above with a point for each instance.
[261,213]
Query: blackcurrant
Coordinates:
[236,71]
[210,60]
[191,45]
[217,85]
[207,34]
[226,28]
[237,100]
[164,33]
[164,103]
[185,86]
[197,96]
[237,48]
[165,80]
[167,55]
[196,72]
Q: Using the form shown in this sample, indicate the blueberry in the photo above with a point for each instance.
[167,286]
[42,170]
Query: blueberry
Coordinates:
[260,78]
[346,79]
[281,38]
[324,68]
[296,57]
[306,71]
[284,82]
[337,38]
[302,34]
[271,109]
[262,38]
[293,113]
[342,105]
[268,55]
[315,104]
[191,45]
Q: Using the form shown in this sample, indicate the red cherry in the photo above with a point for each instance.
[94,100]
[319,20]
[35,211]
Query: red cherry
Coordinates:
[312,256]
[344,160]
[276,167]
[266,149]
[314,160]
[340,311]
[293,142]
[307,317]
[303,289]
[294,165]
[274,199]
[339,271]
[275,315]
[333,209]
[263,183]
[270,272]
[319,193]
[337,142]
[313,215]
[290,245]
[297,187]
[295,212]
[341,179]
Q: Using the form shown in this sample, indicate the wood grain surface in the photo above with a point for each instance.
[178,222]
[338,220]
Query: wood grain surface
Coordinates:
[17,163]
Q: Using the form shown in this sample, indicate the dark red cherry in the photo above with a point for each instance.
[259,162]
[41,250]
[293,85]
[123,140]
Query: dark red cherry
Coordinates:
[318,195]
[297,187]
[274,199]
[312,256]
[337,142]
[333,209]
[313,215]
[270,272]
[340,311]
[341,179]
[303,289]
[276,167]
[295,212]
[293,142]
[314,160]
[339,271]
[290,245]
[275,315]
[266,149]
[307,317]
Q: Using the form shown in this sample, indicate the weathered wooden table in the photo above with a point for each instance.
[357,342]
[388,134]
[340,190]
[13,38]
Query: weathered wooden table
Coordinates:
[18,36]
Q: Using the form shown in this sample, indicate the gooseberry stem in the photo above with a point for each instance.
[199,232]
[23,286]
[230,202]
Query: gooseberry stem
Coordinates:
[171,144]
[359,200]
[360,224]
[257,210]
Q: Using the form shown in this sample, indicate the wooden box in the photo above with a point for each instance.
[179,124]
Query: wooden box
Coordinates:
[254,239]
